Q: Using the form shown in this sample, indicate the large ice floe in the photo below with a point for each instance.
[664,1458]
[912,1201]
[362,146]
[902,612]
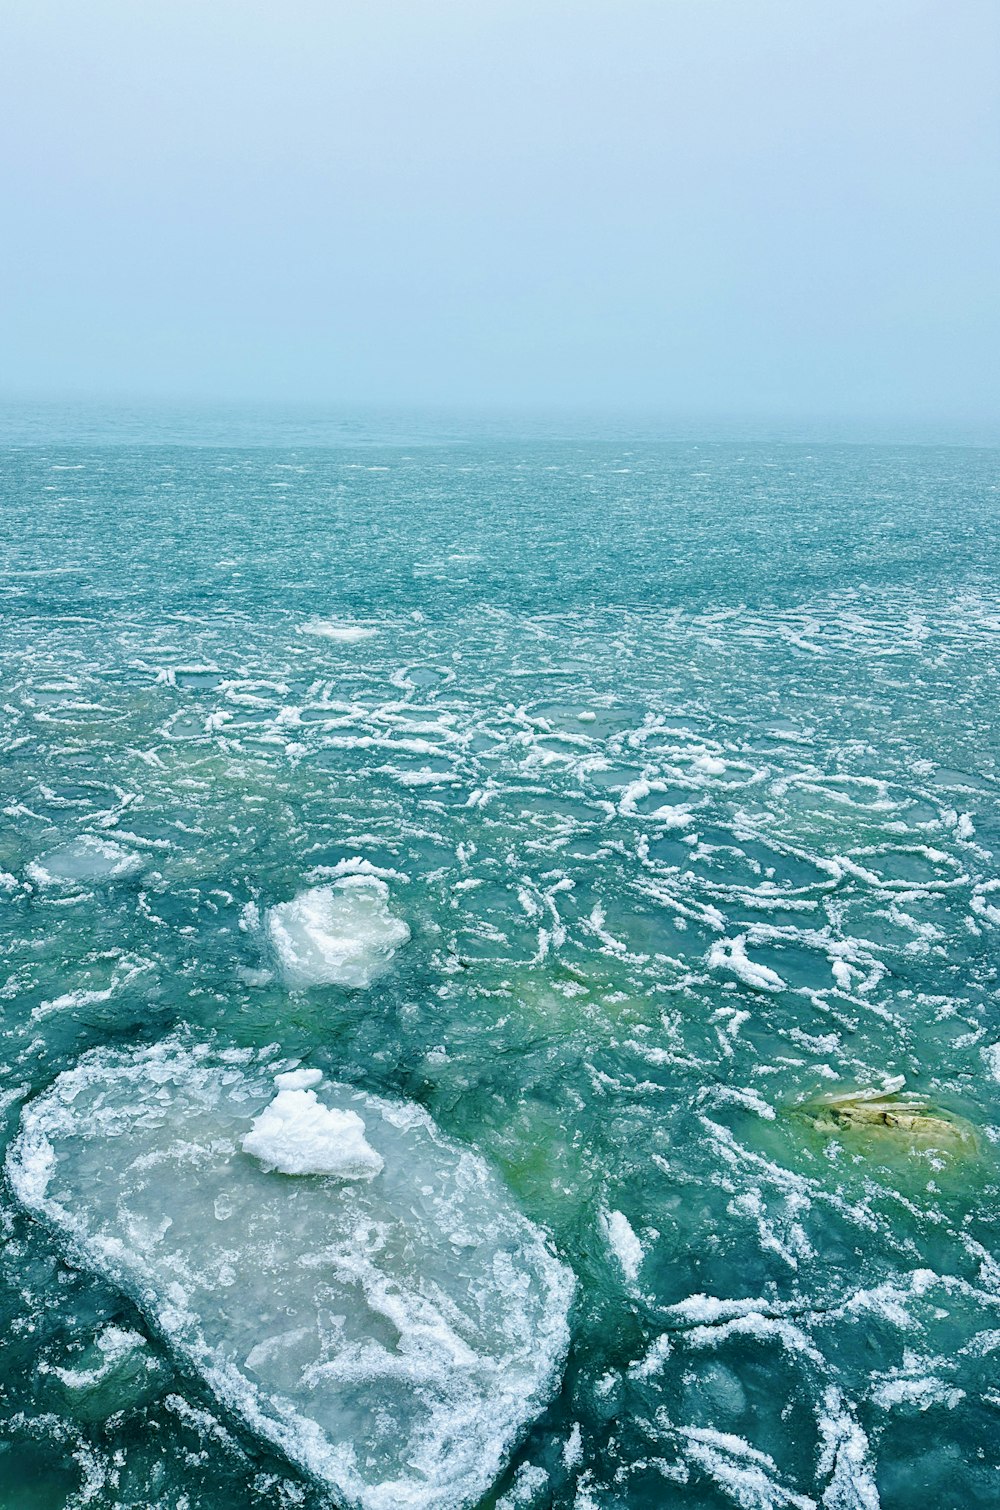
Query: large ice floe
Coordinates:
[339,935]
[392,1323]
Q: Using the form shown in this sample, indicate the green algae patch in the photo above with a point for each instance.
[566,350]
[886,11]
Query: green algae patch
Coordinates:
[560,998]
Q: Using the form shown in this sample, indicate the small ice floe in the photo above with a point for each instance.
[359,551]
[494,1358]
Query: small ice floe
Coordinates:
[845,1458]
[964,827]
[572,1453]
[331,629]
[393,1336]
[623,1243]
[338,935]
[84,861]
[668,815]
[844,973]
[297,1134]
[652,1361]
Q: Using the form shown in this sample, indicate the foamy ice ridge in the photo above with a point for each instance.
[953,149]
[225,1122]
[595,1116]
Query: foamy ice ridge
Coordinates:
[392,1326]
[341,935]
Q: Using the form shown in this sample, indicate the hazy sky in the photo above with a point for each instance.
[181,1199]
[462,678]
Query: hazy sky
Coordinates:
[703,206]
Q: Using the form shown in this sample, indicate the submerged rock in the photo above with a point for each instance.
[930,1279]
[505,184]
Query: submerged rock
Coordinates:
[909,1119]
[339,935]
[392,1332]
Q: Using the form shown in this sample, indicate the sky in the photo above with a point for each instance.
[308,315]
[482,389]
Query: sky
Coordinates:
[696,207]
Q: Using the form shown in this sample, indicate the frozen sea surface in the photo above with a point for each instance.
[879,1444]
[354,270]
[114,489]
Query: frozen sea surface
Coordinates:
[625,811]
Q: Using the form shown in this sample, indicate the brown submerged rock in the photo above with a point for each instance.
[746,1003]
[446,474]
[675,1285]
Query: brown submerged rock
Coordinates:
[910,1120]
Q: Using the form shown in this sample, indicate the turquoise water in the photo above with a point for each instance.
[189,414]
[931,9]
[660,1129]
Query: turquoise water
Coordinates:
[679,763]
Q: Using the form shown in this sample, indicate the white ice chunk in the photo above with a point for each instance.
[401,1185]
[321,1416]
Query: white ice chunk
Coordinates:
[341,935]
[393,1336]
[297,1134]
[845,1456]
[747,1476]
[623,1243]
[572,1453]
[344,634]
[298,1080]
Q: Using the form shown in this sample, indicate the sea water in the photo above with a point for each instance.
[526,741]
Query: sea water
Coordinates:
[609,814]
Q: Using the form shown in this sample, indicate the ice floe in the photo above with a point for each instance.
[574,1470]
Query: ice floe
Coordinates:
[340,935]
[330,629]
[86,860]
[392,1335]
[889,1113]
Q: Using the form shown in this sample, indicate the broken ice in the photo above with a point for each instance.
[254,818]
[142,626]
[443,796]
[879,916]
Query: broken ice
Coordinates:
[393,1333]
[342,935]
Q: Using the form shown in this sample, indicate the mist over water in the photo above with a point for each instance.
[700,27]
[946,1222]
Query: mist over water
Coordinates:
[678,764]
[780,212]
